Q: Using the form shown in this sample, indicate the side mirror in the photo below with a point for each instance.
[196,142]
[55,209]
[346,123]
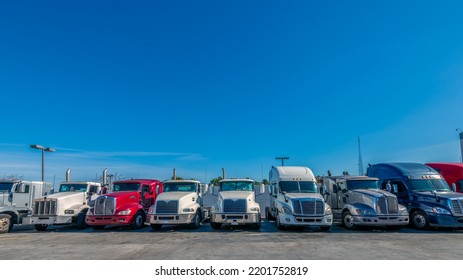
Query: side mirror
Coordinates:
[395,189]
[215,190]
[104,190]
[454,187]
[262,189]
[157,189]
[325,190]
[388,187]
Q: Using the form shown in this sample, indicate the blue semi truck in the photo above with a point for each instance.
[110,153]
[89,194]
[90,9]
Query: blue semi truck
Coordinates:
[424,192]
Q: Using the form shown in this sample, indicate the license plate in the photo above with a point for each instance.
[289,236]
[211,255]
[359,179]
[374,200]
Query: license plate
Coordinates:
[234,223]
[165,221]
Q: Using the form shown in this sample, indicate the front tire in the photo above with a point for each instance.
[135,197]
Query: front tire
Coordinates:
[196,220]
[419,220]
[279,225]
[138,221]
[6,223]
[348,221]
[40,227]
[80,222]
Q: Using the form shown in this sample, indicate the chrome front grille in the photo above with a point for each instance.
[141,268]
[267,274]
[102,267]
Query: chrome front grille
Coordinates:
[166,207]
[387,205]
[105,205]
[457,207]
[238,206]
[45,207]
[309,207]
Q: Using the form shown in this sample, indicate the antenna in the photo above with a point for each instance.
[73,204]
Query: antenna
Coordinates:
[360,159]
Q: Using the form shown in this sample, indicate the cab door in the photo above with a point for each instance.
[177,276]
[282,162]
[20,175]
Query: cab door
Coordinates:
[147,196]
[22,196]
[342,194]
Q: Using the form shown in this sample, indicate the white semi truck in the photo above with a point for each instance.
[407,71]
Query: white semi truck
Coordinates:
[67,206]
[236,204]
[181,203]
[295,199]
[16,199]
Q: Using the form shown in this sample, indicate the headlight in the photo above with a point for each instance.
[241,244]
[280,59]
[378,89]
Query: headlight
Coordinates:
[69,212]
[151,210]
[364,212]
[188,210]
[286,210]
[255,209]
[328,211]
[441,211]
[125,212]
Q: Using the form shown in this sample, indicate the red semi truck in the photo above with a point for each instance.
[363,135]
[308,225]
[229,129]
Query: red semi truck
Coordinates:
[452,173]
[126,205]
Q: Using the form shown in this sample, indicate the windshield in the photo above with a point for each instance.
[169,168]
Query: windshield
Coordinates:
[438,185]
[124,187]
[298,186]
[179,187]
[362,185]
[73,188]
[5,187]
[237,186]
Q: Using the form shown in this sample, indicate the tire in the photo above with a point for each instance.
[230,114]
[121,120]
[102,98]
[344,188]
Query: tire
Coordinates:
[419,220]
[268,214]
[348,221]
[98,227]
[196,220]
[40,227]
[279,225]
[80,221]
[138,221]
[155,226]
[6,223]
[216,225]
[325,228]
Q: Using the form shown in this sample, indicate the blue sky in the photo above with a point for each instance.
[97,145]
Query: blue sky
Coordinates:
[141,88]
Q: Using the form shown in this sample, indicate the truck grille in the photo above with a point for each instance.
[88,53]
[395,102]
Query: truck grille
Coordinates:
[308,207]
[45,207]
[105,205]
[457,207]
[238,206]
[387,205]
[166,207]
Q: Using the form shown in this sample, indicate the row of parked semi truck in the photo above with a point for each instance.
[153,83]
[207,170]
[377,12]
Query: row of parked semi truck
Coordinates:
[392,195]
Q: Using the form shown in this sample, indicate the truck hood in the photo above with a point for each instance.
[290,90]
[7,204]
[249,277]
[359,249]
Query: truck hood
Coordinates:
[374,193]
[303,195]
[169,196]
[67,195]
[236,194]
[125,196]
[447,195]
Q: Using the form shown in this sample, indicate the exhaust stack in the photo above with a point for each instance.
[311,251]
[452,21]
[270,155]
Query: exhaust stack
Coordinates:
[105,176]
[224,174]
[174,176]
[68,175]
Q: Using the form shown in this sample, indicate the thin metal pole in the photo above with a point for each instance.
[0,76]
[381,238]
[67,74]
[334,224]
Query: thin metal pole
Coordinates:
[43,165]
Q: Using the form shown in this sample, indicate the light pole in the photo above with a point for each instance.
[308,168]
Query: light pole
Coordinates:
[44,149]
[282,160]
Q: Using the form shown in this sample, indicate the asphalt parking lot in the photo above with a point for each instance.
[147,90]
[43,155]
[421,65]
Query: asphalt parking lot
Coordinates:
[173,243]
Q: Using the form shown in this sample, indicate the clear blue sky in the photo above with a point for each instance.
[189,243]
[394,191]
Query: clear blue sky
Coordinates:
[142,87]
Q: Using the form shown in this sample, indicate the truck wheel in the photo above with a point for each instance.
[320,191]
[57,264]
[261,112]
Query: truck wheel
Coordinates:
[216,225]
[348,220]
[41,227]
[279,225]
[138,221]
[325,228]
[268,214]
[6,223]
[419,220]
[80,222]
[155,226]
[196,220]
